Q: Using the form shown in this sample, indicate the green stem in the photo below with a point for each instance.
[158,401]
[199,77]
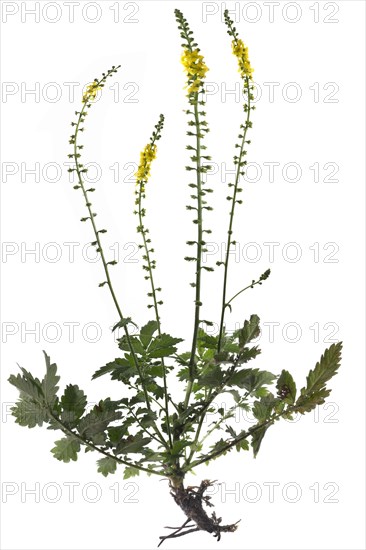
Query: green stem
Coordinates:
[104,262]
[148,259]
[199,240]
[155,301]
[196,439]
[193,100]
[101,252]
[242,290]
[231,220]
[231,444]
[198,255]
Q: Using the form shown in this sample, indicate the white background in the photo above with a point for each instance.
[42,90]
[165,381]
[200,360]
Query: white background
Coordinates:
[323,450]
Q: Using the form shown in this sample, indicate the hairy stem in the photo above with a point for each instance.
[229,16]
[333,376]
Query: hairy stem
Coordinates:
[199,244]
[102,255]
[149,266]
[258,282]
[194,101]
[231,219]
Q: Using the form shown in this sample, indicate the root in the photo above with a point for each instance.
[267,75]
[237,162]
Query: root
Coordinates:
[191,501]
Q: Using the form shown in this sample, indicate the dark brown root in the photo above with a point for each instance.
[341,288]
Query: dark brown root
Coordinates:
[191,501]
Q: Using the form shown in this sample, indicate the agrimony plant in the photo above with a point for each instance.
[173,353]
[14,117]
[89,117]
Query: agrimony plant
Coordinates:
[147,429]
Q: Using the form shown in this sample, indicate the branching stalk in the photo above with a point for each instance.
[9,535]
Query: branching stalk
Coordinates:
[79,169]
[213,364]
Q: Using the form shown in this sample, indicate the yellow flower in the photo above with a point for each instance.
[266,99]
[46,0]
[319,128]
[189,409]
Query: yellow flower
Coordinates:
[146,157]
[196,69]
[91,92]
[241,52]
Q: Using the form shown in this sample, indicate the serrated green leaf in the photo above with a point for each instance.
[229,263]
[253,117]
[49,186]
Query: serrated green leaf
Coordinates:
[241,378]
[307,403]
[235,394]
[66,449]
[125,344]
[93,425]
[205,341]
[219,446]
[212,378]
[231,347]
[247,354]
[99,438]
[119,369]
[184,374]
[163,346]
[73,403]
[50,381]
[264,378]
[260,411]
[251,379]
[162,352]
[249,332]
[115,433]
[139,397]
[260,392]
[142,410]
[123,323]
[223,357]
[27,384]
[28,412]
[198,395]
[286,387]
[106,369]
[280,407]
[133,444]
[257,438]
[231,431]
[155,389]
[147,331]
[148,419]
[243,445]
[324,370]
[156,371]
[196,447]
[183,358]
[263,409]
[178,447]
[315,391]
[107,466]
[130,471]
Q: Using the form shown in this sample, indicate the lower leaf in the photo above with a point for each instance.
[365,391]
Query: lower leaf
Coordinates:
[66,449]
